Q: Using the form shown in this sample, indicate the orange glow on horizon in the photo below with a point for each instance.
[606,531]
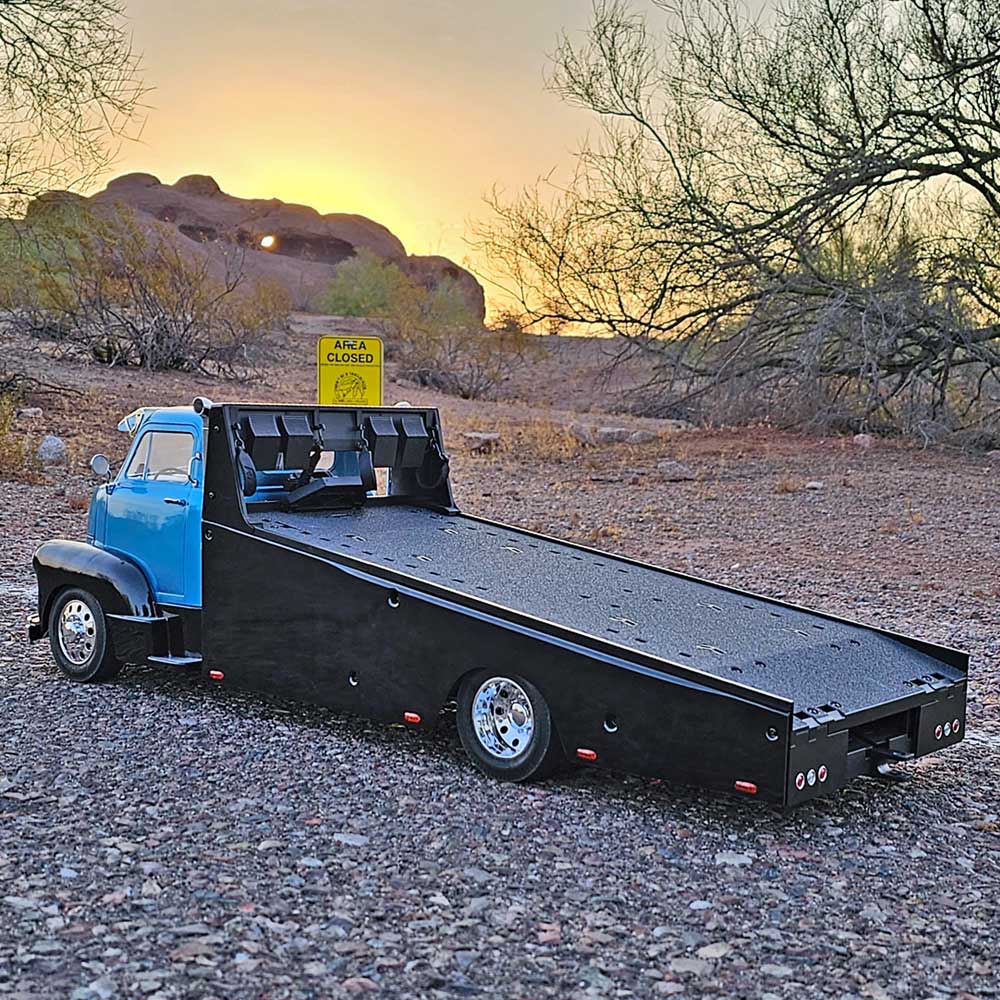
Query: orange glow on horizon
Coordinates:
[408,114]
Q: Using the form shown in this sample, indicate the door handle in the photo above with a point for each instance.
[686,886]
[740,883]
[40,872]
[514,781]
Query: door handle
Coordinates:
[176,501]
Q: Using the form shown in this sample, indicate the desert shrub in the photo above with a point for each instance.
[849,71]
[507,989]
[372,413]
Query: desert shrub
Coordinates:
[432,333]
[442,347]
[460,361]
[14,456]
[541,439]
[510,320]
[242,327]
[366,286]
[125,294]
[801,398]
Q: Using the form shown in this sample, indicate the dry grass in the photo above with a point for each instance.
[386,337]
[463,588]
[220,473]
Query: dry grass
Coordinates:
[78,501]
[898,525]
[607,532]
[15,451]
[788,485]
[541,439]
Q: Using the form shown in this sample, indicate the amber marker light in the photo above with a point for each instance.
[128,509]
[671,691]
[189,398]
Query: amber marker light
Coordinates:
[267,242]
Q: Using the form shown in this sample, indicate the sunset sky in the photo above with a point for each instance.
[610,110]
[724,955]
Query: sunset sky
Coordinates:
[403,111]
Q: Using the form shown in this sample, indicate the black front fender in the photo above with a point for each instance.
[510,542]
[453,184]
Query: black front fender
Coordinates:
[120,585]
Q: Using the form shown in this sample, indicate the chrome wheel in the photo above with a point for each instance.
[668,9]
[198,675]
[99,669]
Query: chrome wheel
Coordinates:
[502,718]
[77,632]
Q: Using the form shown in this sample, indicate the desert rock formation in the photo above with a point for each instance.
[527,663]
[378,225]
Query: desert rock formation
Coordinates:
[305,248]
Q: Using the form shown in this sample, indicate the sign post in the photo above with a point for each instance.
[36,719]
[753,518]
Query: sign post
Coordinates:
[349,371]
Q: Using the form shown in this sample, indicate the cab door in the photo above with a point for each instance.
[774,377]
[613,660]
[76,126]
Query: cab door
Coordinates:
[150,508]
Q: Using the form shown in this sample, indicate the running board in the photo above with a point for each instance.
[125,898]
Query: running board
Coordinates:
[155,639]
[174,661]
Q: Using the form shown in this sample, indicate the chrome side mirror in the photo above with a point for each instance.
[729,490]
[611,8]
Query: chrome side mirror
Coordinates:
[101,467]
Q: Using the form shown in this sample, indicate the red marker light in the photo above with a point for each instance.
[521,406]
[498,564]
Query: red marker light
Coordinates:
[800,781]
[216,675]
[411,717]
[584,754]
[822,773]
[956,725]
[746,786]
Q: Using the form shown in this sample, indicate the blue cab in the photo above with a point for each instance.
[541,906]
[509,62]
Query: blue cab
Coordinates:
[150,512]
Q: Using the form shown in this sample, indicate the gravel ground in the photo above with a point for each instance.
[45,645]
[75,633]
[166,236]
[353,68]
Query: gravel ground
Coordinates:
[160,837]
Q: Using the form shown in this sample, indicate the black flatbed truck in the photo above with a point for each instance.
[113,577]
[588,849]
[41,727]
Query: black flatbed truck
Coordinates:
[315,588]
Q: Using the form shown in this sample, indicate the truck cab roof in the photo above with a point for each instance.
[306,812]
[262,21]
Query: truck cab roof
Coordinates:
[182,416]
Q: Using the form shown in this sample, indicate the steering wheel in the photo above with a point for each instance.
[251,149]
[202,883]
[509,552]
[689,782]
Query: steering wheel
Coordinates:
[168,470]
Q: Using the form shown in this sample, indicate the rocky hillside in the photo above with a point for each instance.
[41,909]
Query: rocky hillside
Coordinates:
[301,248]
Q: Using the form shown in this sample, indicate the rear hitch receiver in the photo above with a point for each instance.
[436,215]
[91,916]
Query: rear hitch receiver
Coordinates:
[882,752]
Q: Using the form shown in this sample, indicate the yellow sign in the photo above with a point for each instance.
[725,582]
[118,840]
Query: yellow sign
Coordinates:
[349,371]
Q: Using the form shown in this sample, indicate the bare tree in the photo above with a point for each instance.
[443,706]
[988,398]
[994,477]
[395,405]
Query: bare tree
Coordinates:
[808,201]
[68,90]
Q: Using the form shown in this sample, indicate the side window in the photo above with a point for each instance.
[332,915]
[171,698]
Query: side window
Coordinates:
[169,456]
[163,456]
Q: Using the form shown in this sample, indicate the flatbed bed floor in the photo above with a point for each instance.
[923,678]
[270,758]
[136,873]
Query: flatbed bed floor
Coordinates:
[806,658]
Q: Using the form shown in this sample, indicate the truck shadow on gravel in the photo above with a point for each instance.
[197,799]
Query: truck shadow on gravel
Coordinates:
[439,756]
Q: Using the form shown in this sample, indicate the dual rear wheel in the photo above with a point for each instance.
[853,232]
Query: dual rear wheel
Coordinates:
[506,727]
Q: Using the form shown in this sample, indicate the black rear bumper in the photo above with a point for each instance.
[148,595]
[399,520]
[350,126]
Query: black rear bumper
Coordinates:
[828,750]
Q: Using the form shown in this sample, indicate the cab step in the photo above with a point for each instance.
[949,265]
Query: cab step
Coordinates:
[174,661]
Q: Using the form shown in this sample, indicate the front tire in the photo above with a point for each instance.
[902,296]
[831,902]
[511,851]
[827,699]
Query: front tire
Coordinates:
[506,727]
[78,635]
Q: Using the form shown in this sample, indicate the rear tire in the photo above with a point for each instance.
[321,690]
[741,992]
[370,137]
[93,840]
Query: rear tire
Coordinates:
[78,635]
[506,727]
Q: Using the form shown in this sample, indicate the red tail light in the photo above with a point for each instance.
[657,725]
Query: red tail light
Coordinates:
[746,786]
[411,717]
[216,675]
[584,754]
